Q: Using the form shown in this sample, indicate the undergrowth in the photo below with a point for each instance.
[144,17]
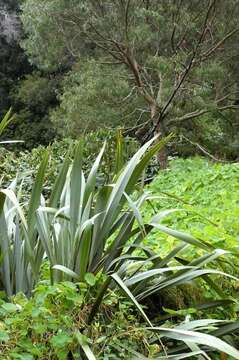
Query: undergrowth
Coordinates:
[209,194]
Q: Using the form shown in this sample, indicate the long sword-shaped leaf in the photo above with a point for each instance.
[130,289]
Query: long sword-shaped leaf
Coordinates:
[12,197]
[199,324]
[119,151]
[163,262]
[36,195]
[5,245]
[151,273]
[188,355]
[135,208]
[120,186]
[226,329]
[19,259]
[131,296]
[97,246]
[11,142]
[59,183]
[85,347]
[45,235]
[203,260]
[180,279]
[120,240]
[140,167]
[183,236]
[84,251]
[67,271]
[197,338]
[91,180]
[76,189]
[6,120]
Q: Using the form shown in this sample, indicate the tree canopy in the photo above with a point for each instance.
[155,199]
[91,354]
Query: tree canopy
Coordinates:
[177,55]
[150,66]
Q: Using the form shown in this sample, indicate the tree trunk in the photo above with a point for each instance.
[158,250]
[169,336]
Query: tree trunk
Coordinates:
[162,156]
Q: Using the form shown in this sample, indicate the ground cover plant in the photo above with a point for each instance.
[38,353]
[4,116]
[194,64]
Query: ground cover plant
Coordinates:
[89,238]
[208,192]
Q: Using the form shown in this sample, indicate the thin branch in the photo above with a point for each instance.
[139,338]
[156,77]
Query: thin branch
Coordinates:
[226,97]
[188,68]
[129,95]
[204,151]
[127,21]
[199,113]
[172,38]
[205,55]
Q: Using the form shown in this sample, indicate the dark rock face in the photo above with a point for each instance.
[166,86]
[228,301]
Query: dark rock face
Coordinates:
[13,61]
[10,26]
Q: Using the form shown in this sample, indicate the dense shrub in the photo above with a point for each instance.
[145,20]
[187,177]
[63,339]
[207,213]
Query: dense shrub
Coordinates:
[32,99]
[24,163]
[215,134]
[49,325]
[95,97]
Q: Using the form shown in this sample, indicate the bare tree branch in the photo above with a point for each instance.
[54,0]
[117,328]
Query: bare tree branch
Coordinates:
[188,68]
[127,20]
[209,52]
[205,152]
[198,113]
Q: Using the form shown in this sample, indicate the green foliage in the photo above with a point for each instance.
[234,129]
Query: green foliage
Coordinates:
[7,119]
[149,40]
[56,53]
[214,133]
[207,192]
[52,325]
[94,96]
[33,98]
[24,163]
[85,68]
[23,244]
[29,95]
[36,92]
[80,219]
[54,318]
[94,225]
[4,123]
[13,66]
[93,235]
[21,252]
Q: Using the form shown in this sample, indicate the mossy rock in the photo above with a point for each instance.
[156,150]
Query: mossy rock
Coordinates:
[175,298]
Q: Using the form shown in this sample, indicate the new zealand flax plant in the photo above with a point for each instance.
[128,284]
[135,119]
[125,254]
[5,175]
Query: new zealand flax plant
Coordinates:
[84,230]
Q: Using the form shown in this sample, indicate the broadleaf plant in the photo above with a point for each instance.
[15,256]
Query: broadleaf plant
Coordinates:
[86,232]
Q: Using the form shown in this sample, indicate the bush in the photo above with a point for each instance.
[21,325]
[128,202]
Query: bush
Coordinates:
[216,134]
[95,97]
[32,99]
[92,236]
[50,325]
[24,163]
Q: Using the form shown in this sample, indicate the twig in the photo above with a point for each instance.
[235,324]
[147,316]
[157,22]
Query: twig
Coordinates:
[204,151]
[199,113]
